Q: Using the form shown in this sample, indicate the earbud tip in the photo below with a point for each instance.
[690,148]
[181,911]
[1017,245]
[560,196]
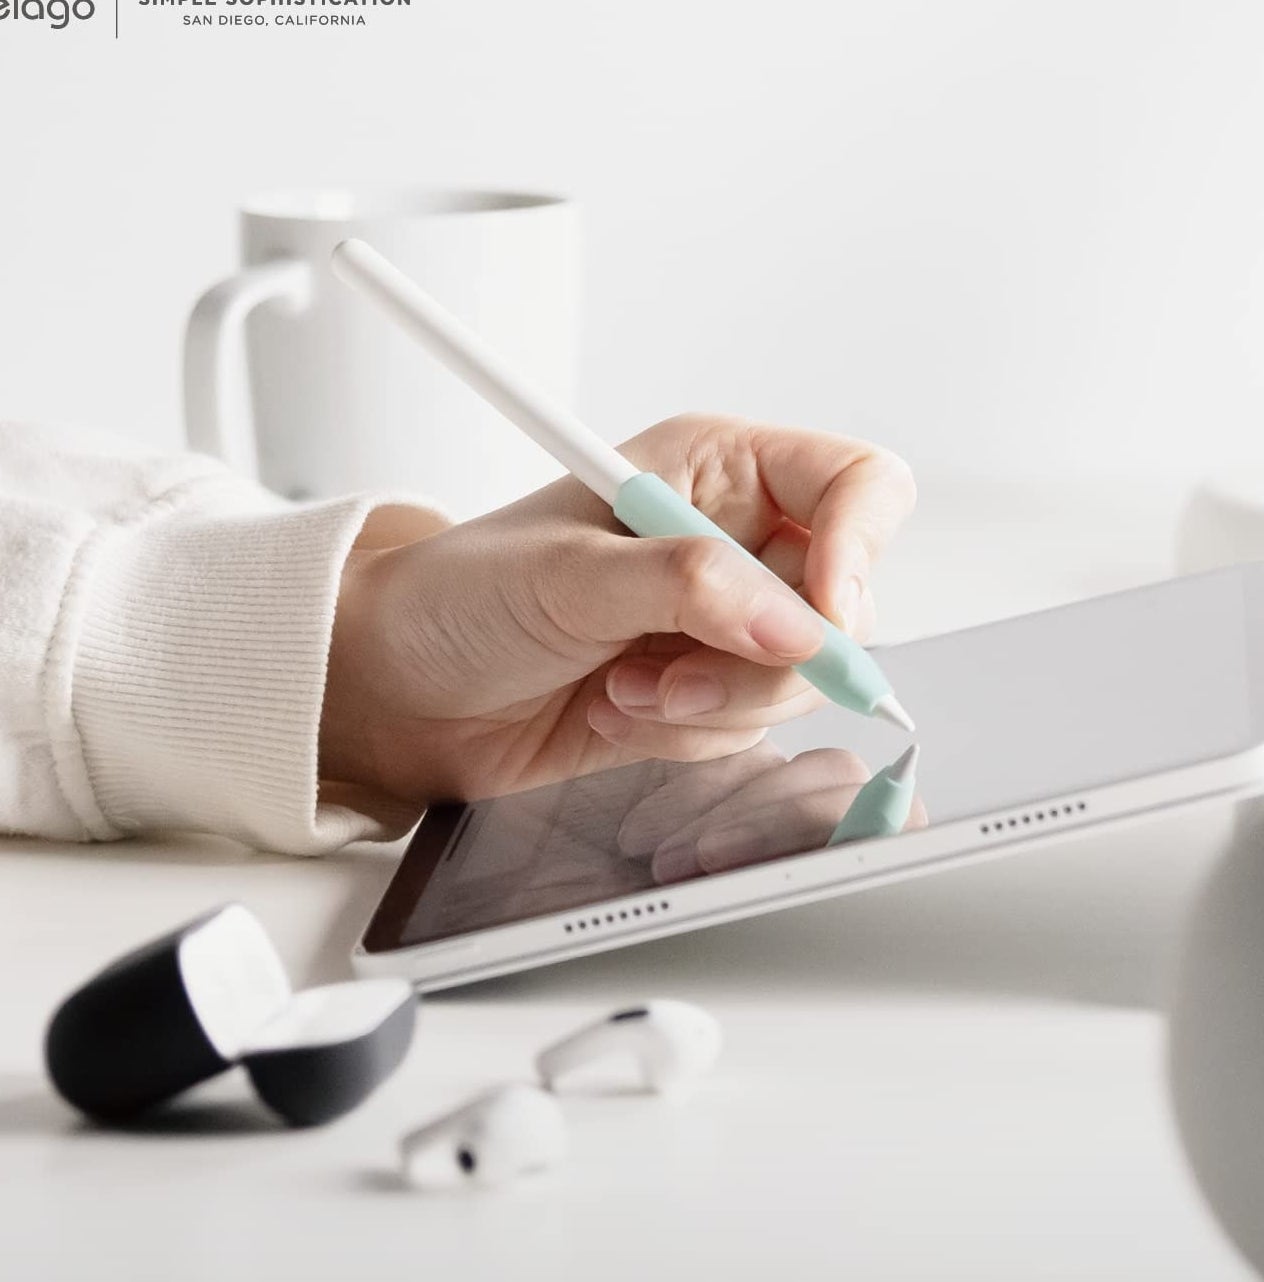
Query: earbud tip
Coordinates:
[496,1137]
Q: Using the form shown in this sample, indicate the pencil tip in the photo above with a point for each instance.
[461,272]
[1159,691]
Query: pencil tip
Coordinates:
[888,708]
[904,768]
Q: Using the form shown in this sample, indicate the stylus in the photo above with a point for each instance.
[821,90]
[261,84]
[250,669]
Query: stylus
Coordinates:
[644,502]
[882,806]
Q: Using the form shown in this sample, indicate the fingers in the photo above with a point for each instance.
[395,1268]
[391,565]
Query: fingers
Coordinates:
[785,552]
[850,494]
[817,508]
[780,791]
[641,739]
[863,626]
[687,792]
[705,687]
[702,587]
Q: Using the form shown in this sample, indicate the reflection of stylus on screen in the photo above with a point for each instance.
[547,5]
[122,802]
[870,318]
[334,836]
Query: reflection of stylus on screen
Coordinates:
[882,806]
[645,503]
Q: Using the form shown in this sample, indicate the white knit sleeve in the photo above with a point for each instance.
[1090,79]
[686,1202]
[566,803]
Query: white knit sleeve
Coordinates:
[164,631]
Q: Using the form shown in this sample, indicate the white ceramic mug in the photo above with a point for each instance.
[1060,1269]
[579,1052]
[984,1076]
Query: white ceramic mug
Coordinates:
[341,401]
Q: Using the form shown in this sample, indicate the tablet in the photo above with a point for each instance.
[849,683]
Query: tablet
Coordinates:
[1031,728]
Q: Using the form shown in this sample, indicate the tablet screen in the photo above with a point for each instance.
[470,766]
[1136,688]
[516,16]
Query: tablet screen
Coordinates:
[1007,714]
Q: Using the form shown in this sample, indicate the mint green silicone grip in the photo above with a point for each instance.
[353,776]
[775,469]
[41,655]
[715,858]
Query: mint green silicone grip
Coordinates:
[881,809]
[840,669]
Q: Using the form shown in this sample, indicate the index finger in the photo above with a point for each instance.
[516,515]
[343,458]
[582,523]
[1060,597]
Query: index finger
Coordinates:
[850,495]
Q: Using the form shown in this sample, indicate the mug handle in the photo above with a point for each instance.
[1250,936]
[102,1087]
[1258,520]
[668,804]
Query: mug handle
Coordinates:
[214,324]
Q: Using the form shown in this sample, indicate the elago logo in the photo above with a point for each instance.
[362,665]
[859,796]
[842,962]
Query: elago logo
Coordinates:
[58,14]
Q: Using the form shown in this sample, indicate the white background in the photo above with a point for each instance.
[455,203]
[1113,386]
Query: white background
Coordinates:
[1006,238]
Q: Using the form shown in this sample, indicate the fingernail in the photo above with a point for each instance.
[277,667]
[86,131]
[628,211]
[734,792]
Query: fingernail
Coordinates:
[634,685]
[692,695]
[730,847]
[607,720]
[784,626]
[675,863]
[849,602]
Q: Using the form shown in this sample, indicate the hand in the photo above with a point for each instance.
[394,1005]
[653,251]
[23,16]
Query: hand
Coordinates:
[744,809]
[543,641]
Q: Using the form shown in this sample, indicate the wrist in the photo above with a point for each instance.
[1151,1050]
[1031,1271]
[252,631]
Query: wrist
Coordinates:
[356,747]
[346,752]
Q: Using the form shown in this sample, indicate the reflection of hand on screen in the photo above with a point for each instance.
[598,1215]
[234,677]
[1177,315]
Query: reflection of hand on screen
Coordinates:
[686,791]
[605,835]
[784,810]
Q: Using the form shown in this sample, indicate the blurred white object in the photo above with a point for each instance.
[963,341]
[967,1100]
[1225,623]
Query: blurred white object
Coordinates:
[339,402]
[495,1138]
[674,1043]
[1222,524]
[1216,1037]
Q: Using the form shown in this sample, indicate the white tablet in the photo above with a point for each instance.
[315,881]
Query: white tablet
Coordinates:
[1093,713]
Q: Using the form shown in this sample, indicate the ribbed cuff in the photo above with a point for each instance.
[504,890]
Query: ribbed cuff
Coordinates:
[198,673]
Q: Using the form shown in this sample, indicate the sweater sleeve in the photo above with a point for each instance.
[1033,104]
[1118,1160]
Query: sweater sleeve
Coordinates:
[164,631]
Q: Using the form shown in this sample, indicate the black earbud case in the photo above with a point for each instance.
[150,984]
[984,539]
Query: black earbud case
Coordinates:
[212,994]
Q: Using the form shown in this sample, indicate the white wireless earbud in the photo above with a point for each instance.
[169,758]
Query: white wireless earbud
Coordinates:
[491,1140]
[515,1129]
[675,1043]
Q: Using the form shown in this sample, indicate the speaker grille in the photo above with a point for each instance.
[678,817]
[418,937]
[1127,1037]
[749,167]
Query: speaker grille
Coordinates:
[592,922]
[1044,816]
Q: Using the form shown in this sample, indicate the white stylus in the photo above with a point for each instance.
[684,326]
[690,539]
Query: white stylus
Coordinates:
[645,503]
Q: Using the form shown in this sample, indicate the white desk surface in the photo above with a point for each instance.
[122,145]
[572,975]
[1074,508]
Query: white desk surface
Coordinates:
[952,1079]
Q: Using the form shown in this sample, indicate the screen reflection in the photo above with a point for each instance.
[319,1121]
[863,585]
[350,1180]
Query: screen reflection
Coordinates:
[625,830]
